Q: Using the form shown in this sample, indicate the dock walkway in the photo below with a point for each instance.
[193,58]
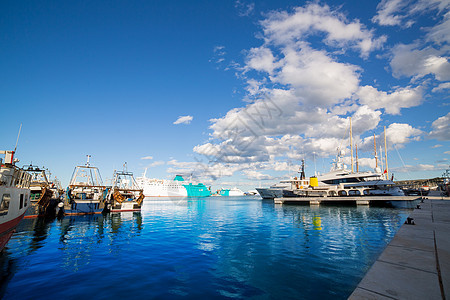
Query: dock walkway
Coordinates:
[359,200]
[416,263]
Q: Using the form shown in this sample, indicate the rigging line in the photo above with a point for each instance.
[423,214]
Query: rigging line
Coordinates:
[401,159]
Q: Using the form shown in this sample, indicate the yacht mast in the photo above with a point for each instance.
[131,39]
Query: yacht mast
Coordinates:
[381,160]
[385,154]
[375,150]
[351,145]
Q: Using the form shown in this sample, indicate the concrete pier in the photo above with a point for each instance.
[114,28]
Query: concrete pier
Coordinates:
[358,200]
[416,263]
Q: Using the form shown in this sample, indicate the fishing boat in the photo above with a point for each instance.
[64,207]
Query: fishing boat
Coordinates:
[125,194]
[86,193]
[44,195]
[14,196]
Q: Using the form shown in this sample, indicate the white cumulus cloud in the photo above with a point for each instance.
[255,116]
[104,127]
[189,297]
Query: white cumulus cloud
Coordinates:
[390,102]
[441,128]
[183,120]
[410,61]
[288,28]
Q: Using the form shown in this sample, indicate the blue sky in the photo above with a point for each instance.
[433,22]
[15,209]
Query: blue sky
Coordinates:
[234,92]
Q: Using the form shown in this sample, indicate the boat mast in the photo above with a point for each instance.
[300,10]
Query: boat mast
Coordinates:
[375,150]
[357,165]
[17,141]
[351,145]
[302,172]
[381,160]
[385,154]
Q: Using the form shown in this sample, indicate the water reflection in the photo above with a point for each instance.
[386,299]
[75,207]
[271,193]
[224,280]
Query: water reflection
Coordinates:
[188,247]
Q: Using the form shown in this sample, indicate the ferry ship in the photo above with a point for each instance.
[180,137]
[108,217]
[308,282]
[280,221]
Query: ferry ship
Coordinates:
[177,187]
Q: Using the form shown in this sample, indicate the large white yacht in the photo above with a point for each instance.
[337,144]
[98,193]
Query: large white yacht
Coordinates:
[340,181]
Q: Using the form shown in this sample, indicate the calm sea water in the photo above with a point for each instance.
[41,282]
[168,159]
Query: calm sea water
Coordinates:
[219,247]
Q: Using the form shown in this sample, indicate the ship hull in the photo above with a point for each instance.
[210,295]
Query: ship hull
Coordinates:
[127,206]
[270,193]
[82,207]
[10,216]
[172,188]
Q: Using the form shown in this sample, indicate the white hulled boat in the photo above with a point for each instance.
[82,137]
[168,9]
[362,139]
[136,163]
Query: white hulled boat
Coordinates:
[285,187]
[233,192]
[14,196]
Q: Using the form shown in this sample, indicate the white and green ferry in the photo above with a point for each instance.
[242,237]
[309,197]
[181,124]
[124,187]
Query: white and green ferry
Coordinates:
[177,187]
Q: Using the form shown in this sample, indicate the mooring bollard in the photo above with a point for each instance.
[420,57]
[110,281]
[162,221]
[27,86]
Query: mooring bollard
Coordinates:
[410,221]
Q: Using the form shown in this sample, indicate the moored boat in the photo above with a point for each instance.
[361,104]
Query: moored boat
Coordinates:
[86,193]
[177,187]
[125,194]
[286,187]
[231,192]
[44,197]
[14,196]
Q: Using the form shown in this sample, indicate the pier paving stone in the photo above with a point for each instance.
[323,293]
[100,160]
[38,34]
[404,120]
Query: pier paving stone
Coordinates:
[416,262]
[443,252]
[360,293]
[408,257]
[401,282]
[422,241]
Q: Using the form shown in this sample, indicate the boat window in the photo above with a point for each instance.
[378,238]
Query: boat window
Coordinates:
[4,205]
[21,201]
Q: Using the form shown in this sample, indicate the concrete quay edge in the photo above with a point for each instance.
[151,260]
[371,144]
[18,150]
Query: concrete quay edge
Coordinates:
[416,263]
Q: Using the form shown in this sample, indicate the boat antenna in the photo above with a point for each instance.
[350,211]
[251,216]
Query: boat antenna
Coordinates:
[18,135]
[87,163]
[315,170]
[145,172]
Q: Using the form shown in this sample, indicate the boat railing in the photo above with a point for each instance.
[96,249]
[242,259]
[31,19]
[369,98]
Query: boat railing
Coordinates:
[11,175]
[87,186]
[129,190]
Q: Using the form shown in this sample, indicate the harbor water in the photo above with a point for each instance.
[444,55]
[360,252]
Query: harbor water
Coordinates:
[199,248]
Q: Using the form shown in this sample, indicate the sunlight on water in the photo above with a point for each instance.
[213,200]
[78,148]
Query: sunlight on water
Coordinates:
[220,247]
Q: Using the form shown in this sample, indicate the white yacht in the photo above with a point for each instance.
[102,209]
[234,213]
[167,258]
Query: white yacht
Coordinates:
[341,181]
